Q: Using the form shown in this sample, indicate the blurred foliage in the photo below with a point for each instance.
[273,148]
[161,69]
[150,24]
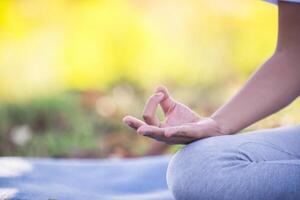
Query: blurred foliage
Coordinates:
[69,70]
[87,124]
[60,125]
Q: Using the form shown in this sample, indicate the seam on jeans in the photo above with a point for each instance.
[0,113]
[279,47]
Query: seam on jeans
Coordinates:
[267,144]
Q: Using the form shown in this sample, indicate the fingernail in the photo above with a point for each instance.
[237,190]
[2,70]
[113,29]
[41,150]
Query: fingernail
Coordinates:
[159,94]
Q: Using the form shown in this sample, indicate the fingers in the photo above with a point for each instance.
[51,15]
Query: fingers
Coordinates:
[159,135]
[133,122]
[150,130]
[192,131]
[162,89]
[167,103]
[150,109]
[161,97]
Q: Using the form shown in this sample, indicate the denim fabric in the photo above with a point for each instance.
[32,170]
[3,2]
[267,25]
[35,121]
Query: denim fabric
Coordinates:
[260,165]
[276,1]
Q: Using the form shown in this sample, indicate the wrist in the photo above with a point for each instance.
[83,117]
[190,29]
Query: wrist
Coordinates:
[221,125]
[212,126]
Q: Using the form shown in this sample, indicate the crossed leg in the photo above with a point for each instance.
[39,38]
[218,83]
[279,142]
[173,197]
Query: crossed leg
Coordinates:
[257,165]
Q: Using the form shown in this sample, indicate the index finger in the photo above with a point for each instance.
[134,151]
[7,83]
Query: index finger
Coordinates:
[150,109]
[167,104]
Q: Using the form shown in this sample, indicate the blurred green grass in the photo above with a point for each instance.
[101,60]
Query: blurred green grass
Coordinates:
[87,124]
[50,126]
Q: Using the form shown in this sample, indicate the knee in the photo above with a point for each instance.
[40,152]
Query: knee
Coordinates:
[196,170]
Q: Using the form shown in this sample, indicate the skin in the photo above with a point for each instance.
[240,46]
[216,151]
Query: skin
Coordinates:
[272,87]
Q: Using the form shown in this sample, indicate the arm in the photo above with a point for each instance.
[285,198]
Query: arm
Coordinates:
[272,87]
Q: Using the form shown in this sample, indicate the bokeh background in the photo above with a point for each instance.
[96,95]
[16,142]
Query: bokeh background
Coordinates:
[71,69]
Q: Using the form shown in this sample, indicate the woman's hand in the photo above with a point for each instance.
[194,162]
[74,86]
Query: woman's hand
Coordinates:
[181,125]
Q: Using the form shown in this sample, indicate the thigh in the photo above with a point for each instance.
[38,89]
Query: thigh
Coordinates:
[256,165]
[263,145]
[284,141]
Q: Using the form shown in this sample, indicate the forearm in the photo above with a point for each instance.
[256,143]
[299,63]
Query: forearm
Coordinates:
[274,85]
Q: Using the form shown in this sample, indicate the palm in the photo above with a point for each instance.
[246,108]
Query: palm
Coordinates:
[180,114]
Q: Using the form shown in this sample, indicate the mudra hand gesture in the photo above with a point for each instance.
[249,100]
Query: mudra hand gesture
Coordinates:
[181,124]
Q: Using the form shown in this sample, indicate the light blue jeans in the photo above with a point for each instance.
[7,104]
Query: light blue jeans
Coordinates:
[260,165]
